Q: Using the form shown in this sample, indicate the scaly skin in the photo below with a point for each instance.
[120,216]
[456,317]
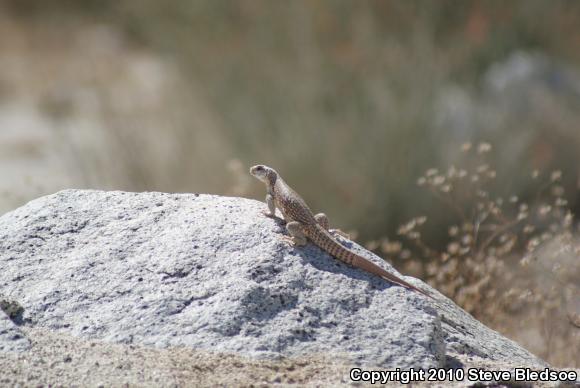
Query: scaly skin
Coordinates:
[302,224]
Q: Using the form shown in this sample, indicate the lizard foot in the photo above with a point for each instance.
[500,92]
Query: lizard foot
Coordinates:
[268,214]
[293,241]
[273,216]
[289,240]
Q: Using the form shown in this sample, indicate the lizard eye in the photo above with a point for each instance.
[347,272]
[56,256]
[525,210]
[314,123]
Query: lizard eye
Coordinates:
[260,168]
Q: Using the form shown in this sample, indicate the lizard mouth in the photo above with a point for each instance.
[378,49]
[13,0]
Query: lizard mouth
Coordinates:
[262,173]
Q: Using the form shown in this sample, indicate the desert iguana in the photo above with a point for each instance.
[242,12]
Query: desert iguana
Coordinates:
[301,224]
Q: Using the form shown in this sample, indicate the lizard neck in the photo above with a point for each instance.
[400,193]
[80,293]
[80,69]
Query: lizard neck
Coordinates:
[271,182]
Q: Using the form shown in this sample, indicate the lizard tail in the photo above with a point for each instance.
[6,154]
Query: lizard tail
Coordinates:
[328,243]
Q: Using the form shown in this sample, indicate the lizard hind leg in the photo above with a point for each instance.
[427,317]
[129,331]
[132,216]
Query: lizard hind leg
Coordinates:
[297,238]
[322,220]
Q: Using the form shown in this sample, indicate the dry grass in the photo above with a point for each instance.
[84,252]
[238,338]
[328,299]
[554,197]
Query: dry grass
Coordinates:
[512,263]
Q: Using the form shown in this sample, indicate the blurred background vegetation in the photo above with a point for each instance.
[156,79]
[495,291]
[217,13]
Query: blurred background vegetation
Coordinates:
[352,101]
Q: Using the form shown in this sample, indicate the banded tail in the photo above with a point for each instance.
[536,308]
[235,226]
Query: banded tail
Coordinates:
[328,243]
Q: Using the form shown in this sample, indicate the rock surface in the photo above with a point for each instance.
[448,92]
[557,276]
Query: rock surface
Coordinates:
[212,273]
[11,338]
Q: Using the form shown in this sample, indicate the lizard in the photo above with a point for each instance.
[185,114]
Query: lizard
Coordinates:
[303,225]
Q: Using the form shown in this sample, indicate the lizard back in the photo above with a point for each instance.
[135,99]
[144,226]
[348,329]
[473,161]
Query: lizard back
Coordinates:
[291,204]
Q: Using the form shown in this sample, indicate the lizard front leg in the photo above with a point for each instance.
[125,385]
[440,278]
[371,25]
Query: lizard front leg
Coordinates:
[271,206]
[322,220]
[297,238]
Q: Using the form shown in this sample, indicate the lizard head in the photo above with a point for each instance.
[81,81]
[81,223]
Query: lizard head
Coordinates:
[264,173]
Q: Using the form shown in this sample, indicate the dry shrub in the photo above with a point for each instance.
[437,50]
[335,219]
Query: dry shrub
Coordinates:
[512,263]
